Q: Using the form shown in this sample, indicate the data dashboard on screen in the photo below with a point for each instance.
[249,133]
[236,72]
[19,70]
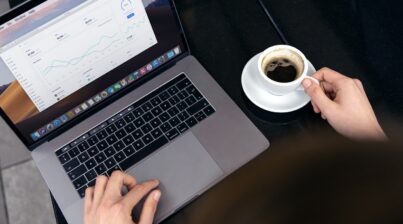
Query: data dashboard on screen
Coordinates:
[77,48]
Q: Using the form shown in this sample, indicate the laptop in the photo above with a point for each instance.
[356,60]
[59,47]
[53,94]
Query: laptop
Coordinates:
[95,86]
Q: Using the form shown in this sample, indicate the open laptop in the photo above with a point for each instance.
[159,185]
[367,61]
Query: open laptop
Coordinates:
[94,86]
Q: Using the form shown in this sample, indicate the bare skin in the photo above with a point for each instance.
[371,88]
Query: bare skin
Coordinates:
[342,101]
[105,204]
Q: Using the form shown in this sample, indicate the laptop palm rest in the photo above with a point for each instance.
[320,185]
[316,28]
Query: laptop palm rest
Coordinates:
[184,168]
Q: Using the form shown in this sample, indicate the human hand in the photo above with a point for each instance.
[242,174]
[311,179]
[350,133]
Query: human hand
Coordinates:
[105,204]
[342,101]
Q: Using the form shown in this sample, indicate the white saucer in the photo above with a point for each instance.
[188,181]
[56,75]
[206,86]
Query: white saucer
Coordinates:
[260,97]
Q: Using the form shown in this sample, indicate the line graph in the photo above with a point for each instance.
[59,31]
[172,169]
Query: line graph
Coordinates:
[80,48]
[74,61]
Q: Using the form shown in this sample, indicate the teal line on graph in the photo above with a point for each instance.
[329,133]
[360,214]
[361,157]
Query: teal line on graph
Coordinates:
[136,25]
[77,60]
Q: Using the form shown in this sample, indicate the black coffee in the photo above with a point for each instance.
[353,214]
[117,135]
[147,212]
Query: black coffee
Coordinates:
[281,70]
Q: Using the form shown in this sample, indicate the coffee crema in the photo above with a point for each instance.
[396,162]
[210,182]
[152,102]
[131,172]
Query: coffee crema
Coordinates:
[281,70]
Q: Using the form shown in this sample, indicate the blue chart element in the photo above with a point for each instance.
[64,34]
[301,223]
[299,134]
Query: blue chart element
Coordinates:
[75,61]
[130,15]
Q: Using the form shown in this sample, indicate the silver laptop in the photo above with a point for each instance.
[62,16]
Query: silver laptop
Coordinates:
[94,86]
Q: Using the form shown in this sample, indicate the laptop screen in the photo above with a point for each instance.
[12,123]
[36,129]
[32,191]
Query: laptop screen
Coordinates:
[61,58]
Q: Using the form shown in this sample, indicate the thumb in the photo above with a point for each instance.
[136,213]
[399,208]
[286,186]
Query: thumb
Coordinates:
[318,96]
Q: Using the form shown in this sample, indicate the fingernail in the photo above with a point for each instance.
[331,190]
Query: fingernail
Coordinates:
[306,83]
[157,195]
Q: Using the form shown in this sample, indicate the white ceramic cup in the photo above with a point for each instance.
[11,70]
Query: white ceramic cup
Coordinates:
[292,54]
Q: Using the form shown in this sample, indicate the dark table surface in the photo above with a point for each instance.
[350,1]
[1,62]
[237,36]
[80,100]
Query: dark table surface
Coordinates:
[356,37]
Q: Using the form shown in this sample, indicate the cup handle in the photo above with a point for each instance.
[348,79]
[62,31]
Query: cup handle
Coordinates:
[301,88]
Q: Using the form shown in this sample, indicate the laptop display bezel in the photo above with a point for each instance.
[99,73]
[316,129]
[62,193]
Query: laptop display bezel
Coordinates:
[24,7]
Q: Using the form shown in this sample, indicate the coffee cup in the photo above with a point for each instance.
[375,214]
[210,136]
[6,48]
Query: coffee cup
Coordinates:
[282,69]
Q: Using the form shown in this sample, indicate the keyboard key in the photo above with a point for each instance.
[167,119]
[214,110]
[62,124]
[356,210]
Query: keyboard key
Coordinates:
[148,116]
[64,158]
[129,150]
[164,96]
[173,111]
[164,117]
[74,152]
[113,169]
[83,146]
[110,129]
[111,139]
[173,90]
[191,89]
[138,145]
[156,133]
[166,105]
[102,145]
[109,152]
[197,95]
[209,110]
[166,127]
[182,105]
[120,133]
[128,140]
[80,182]
[139,122]
[71,165]
[77,172]
[120,123]
[156,111]
[101,169]
[102,134]
[156,101]
[119,145]
[83,157]
[155,122]
[119,156]
[182,127]
[200,116]
[174,122]
[197,107]
[92,183]
[172,134]
[183,116]
[147,106]
[138,112]
[62,150]
[90,163]
[174,100]
[100,157]
[93,140]
[90,175]
[183,84]
[130,128]
[92,151]
[81,191]
[191,122]
[183,95]
[129,117]
[147,139]
[190,100]
[110,163]
[146,128]
[137,134]
[155,145]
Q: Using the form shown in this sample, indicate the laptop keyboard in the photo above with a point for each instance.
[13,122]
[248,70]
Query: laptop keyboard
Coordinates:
[134,133]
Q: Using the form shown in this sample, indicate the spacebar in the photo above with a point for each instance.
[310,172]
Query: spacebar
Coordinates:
[130,161]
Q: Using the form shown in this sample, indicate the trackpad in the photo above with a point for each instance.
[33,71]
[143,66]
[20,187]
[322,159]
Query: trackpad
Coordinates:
[184,168]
